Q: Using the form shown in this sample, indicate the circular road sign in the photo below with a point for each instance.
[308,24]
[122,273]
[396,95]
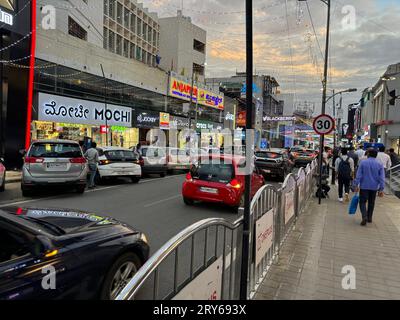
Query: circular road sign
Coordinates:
[324,124]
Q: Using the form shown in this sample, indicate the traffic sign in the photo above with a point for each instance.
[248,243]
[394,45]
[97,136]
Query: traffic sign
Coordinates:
[324,124]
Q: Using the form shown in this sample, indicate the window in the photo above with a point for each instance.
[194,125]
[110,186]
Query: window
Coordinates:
[106,7]
[119,13]
[139,28]
[111,11]
[154,38]
[119,45]
[126,48]
[55,150]
[198,69]
[126,18]
[13,244]
[111,42]
[105,38]
[133,22]
[75,30]
[132,51]
[199,46]
[145,32]
[149,34]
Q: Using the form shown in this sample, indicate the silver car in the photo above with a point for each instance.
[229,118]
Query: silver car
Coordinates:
[52,163]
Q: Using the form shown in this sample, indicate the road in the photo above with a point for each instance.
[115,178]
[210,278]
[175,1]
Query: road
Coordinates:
[153,206]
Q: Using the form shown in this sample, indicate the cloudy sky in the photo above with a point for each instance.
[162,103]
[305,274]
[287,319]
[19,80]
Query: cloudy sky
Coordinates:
[365,39]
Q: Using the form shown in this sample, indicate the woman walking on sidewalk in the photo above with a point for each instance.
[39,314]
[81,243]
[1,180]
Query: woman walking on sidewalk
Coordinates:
[370,181]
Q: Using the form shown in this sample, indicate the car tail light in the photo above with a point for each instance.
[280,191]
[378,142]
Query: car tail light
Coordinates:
[189,177]
[78,160]
[33,160]
[104,162]
[235,184]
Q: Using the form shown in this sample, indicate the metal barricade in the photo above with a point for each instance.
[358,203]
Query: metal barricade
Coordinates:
[215,245]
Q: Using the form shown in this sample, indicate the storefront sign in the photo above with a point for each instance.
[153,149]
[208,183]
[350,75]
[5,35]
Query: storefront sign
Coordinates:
[241,119]
[277,119]
[6,18]
[206,286]
[76,111]
[182,89]
[264,234]
[206,125]
[210,99]
[164,120]
[178,123]
[146,120]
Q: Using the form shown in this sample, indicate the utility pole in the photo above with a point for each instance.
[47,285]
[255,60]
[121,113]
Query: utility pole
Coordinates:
[334,139]
[323,110]
[249,126]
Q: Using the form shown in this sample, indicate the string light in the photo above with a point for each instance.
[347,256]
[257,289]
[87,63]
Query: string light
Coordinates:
[16,42]
[14,60]
[17,13]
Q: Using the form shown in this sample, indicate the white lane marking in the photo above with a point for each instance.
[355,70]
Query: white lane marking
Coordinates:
[161,201]
[88,191]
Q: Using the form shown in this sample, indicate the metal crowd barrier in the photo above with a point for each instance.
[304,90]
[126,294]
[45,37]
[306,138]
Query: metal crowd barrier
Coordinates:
[203,262]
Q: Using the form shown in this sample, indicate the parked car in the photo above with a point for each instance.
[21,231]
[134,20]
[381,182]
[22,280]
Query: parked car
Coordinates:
[94,257]
[273,163]
[116,162]
[2,175]
[155,160]
[178,159]
[54,163]
[303,157]
[219,181]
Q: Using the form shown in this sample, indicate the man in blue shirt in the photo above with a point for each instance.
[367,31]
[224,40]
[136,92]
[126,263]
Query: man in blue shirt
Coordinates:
[370,181]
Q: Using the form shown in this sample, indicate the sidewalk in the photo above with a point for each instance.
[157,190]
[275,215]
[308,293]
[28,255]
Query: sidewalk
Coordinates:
[325,239]
[13,176]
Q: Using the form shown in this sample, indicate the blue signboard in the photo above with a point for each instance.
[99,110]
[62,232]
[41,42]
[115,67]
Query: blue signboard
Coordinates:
[255,89]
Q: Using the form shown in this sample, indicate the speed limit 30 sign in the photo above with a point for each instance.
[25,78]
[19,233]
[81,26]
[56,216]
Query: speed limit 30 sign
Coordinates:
[324,124]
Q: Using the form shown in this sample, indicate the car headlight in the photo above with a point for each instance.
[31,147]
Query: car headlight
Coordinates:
[144,238]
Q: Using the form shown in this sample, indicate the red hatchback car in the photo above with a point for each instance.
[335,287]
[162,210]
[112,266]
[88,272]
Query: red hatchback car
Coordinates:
[217,180]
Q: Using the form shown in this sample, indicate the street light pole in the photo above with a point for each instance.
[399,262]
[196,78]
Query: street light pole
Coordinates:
[249,126]
[105,101]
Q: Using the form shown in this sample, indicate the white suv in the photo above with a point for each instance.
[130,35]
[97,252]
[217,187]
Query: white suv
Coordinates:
[117,162]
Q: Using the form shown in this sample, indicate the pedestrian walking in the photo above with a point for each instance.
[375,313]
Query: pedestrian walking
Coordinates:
[360,152]
[344,167]
[384,158]
[92,156]
[370,182]
[352,154]
[394,157]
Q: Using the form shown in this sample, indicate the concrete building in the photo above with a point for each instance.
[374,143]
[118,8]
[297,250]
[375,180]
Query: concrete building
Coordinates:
[182,46]
[387,117]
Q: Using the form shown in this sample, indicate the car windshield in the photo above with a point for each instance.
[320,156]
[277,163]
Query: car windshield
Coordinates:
[213,172]
[115,155]
[153,152]
[55,150]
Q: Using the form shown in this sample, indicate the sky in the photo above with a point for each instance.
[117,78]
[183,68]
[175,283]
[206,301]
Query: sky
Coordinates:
[365,39]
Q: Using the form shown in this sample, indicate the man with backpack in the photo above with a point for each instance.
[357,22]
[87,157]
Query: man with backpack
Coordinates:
[344,167]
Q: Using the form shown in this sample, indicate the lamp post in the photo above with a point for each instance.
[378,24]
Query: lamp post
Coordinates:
[194,74]
[105,102]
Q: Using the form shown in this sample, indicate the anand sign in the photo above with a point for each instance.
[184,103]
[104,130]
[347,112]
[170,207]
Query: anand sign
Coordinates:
[181,89]
[54,108]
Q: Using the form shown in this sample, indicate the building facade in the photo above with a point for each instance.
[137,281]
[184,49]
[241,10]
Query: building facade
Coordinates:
[183,46]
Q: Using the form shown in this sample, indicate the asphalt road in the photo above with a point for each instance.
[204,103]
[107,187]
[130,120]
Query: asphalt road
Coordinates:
[153,206]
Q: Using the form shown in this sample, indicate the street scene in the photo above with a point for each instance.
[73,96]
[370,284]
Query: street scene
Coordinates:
[199,150]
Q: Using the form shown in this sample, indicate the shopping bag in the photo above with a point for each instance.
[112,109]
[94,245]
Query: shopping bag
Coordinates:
[354,204]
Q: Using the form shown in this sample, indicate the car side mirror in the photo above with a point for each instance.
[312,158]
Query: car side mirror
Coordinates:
[22,152]
[42,245]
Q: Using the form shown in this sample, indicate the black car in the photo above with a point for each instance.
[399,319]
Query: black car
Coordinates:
[273,163]
[92,257]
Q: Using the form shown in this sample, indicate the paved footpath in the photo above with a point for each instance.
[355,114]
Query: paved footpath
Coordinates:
[326,238]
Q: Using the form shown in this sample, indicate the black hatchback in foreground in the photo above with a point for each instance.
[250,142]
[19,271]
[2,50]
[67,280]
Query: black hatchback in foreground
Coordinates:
[273,163]
[61,254]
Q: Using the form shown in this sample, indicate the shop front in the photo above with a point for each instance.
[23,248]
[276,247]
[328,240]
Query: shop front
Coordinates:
[210,134]
[61,117]
[15,56]
[180,127]
[145,121]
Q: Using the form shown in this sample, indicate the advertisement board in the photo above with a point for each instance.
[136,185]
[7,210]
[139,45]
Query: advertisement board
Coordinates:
[55,108]
[146,120]
[164,120]
[206,286]
[289,206]
[264,235]
[182,89]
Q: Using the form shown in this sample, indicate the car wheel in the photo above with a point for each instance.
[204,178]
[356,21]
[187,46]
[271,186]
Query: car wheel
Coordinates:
[27,193]
[163,174]
[135,179]
[119,275]
[188,202]
[80,189]
[3,186]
